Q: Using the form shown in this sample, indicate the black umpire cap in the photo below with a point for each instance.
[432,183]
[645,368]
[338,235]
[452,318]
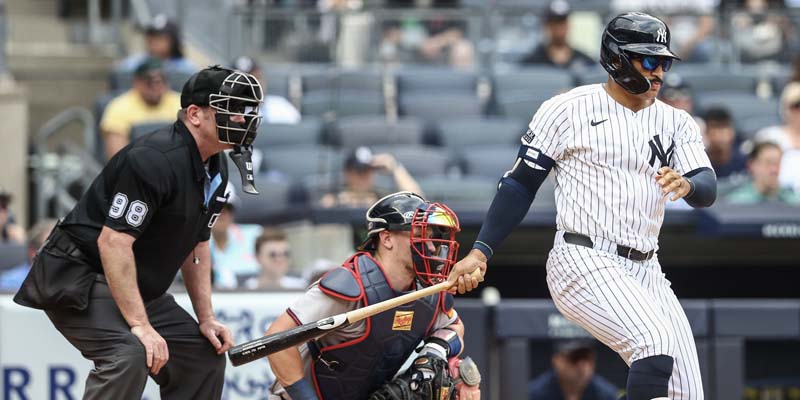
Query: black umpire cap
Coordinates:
[203,84]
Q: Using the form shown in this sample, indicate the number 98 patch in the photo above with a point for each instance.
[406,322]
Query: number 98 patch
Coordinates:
[136,212]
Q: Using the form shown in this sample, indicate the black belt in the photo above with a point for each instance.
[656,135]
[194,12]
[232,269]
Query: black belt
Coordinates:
[622,251]
[61,241]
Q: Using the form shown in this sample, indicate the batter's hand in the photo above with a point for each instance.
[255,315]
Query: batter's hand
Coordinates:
[461,272]
[213,330]
[671,181]
[155,347]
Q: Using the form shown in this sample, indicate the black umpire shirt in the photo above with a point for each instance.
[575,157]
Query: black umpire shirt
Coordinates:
[154,190]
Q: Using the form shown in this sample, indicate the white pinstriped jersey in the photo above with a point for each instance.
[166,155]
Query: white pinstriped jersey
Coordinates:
[607,157]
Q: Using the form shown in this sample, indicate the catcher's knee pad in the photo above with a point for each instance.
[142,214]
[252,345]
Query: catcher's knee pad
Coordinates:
[648,378]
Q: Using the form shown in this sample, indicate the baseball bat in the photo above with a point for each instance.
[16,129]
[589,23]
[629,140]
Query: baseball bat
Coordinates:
[273,343]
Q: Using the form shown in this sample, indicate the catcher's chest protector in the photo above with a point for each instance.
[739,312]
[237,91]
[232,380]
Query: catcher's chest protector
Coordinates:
[353,370]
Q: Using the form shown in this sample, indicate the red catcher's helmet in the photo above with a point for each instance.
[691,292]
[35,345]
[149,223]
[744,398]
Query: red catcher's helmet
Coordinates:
[434,249]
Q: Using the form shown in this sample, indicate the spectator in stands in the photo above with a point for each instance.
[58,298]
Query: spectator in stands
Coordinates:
[554,50]
[360,168]
[761,30]
[274,254]
[447,44]
[274,109]
[149,101]
[232,256]
[677,93]
[787,136]
[720,141]
[572,376]
[11,279]
[10,231]
[764,164]
[162,41]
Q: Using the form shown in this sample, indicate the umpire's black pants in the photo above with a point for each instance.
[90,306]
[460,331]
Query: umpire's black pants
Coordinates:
[193,371]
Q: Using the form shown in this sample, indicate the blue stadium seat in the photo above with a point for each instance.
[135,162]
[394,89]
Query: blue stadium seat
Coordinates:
[356,131]
[520,106]
[307,132]
[435,80]
[420,161]
[488,161]
[457,133]
[431,106]
[742,106]
[541,79]
[12,254]
[142,129]
[466,192]
[707,78]
[272,200]
[298,162]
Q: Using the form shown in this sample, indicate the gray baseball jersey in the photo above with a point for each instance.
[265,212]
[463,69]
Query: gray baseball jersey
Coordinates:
[315,305]
[606,159]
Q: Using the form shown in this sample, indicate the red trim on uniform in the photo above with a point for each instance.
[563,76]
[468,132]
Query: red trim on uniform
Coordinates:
[339,295]
[314,379]
[293,316]
[435,316]
[383,272]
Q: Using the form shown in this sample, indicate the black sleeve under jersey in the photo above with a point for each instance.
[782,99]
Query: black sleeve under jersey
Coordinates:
[513,199]
[141,185]
[704,187]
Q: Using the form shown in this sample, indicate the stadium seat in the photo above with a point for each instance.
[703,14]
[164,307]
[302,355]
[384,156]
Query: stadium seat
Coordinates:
[350,103]
[298,162]
[520,106]
[142,129]
[12,254]
[435,80]
[466,192]
[360,81]
[276,80]
[420,161]
[457,133]
[488,161]
[375,130]
[120,79]
[749,127]
[544,80]
[176,79]
[430,106]
[273,199]
[594,75]
[742,106]
[307,132]
[707,78]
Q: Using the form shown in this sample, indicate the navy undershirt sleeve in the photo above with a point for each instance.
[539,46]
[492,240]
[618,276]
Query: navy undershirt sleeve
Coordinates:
[704,187]
[514,196]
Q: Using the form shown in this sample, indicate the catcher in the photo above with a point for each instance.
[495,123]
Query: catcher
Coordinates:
[410,244]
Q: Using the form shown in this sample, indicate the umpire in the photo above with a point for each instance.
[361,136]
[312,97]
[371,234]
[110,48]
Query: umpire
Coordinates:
[103,273]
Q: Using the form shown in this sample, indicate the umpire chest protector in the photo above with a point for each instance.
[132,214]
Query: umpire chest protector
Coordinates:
[354,369]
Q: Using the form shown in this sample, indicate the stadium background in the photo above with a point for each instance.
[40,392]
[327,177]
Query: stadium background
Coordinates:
[452,121]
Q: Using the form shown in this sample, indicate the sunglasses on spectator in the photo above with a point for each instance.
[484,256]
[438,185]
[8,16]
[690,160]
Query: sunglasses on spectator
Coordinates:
[795,105]
[276,254]
[651,63]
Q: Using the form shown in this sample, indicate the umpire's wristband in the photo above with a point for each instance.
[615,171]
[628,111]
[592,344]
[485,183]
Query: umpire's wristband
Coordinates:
[301,390]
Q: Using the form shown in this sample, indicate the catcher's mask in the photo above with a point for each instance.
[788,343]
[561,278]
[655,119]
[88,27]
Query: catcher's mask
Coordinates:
[235,96]
[432,228]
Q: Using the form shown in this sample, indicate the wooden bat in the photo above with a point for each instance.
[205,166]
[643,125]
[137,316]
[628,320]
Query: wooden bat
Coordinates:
[264,346]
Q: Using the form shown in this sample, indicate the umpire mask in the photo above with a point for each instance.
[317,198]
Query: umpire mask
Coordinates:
[238,119]
[433,242]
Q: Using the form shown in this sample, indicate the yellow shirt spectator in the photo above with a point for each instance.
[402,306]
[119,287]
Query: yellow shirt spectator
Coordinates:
[150,100]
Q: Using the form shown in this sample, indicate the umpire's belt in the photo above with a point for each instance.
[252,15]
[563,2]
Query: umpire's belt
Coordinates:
[623,251]
[63,242]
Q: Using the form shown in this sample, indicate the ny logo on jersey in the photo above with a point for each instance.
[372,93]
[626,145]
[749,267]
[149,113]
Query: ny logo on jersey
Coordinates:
[664,157]
[661,36]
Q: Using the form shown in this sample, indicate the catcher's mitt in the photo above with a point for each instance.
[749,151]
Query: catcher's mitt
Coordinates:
[427,378]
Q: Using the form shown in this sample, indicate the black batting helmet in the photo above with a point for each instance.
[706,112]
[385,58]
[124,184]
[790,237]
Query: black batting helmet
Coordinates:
[633,33]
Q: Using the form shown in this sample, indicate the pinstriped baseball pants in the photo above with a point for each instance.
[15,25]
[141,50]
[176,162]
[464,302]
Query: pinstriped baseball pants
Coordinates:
[627,305]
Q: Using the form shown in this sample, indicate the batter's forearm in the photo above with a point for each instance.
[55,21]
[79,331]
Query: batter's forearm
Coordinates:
[119,267]
[509,206]
[703,190]
[197,278]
